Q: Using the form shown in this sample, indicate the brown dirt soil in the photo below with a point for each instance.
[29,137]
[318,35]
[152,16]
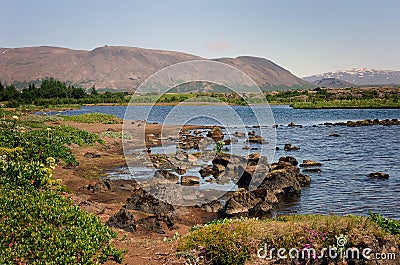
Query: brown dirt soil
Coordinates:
[143,247]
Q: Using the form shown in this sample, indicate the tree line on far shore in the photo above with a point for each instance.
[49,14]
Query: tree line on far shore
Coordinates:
[54,92]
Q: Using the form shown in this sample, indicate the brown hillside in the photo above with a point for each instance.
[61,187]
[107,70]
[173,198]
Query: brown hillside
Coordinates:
[118,67]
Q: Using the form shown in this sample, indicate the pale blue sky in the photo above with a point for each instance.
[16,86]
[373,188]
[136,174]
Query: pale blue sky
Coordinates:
[304,36]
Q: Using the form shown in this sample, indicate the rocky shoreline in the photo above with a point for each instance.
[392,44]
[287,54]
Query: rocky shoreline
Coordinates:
[126,206]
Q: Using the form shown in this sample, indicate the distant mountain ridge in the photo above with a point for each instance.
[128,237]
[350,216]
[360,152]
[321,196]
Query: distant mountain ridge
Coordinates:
[122,68]
[361,76]
[332,82]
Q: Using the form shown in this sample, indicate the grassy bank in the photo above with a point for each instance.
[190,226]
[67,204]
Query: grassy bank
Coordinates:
[343,104]
[237,241]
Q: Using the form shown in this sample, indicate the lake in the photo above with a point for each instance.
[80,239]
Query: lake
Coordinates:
[343,186]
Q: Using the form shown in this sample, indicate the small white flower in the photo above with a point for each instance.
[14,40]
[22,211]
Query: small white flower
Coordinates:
[15,117]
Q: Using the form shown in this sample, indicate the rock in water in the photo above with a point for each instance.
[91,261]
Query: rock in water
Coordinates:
[289,147]
[239,134]
[191,158]
[216,133]
[190,180]
[255,139]
[310,163]
[289,159]
[379,175]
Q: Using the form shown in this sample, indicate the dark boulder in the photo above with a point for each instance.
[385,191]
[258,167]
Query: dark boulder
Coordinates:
[168,175]
[244,178]
[304,180]
[213,206]
[289,159]
[140,200]
[123,220]
[241,201]
[207,171]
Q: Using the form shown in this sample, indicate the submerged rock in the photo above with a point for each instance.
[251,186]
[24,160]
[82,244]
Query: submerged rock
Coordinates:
[312,170]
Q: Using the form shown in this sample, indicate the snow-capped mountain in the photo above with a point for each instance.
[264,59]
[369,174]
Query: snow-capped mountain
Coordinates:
[361,76]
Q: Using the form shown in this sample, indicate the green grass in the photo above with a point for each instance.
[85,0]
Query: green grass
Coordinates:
[353,103]
[94,118]
[237,241]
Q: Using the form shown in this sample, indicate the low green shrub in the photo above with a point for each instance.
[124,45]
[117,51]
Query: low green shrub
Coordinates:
[37,225]
[42,143]
[41,227]
[390,225]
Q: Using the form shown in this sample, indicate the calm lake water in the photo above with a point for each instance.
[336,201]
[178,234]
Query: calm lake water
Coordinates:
[343,186]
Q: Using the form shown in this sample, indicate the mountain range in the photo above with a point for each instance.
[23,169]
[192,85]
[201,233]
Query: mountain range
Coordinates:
[123,68]
[360,76]
[332,82]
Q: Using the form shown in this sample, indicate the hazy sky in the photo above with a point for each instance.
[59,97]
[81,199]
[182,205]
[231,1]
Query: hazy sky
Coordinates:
[304,36]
